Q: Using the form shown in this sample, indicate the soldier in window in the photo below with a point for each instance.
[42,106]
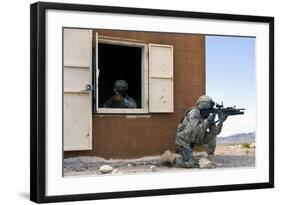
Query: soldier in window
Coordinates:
[120,99]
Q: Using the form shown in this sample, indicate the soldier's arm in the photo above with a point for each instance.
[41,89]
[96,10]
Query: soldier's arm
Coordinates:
[216,129]
[130,102]
[199,128]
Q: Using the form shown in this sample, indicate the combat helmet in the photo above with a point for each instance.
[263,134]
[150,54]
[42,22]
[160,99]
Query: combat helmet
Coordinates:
[121,87]
[205,102]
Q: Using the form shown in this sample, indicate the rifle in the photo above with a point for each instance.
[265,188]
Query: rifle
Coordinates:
[220,109]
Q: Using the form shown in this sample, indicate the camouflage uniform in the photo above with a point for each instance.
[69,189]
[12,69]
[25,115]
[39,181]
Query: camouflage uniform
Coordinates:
[120,99]
[195,130]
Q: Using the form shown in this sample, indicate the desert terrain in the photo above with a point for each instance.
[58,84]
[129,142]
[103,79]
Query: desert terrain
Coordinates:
[227,156]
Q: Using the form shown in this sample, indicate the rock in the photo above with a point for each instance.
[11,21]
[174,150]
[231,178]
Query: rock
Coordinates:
[253,145]
[115,171]
[205,164]
[152,168]
[167,159]
[105,169]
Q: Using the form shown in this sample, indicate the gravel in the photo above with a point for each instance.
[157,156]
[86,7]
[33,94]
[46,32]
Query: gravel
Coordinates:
[225,157]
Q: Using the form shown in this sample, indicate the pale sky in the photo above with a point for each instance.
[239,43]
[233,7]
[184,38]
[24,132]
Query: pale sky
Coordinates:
[231,78]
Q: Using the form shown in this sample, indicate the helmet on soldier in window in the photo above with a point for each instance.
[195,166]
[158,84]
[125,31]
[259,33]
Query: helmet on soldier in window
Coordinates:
[120,86]
[205,102]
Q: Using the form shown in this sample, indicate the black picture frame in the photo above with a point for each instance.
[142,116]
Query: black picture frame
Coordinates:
[38,101]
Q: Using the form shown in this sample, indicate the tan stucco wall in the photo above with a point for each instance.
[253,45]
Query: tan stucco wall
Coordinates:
[122,137]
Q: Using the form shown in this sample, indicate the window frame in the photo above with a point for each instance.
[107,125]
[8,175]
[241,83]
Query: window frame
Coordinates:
[144,75]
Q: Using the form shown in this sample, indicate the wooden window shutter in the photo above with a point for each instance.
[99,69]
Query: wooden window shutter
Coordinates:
[161,94]
[77,94]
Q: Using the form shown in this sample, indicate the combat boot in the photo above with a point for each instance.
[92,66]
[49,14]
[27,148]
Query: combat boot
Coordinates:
[211,158]
[180,163]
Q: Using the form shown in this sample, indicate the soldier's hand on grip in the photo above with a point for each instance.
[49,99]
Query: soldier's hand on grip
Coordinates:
[211,118]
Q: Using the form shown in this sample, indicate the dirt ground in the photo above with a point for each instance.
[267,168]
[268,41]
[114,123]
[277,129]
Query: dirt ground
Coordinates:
[226,156]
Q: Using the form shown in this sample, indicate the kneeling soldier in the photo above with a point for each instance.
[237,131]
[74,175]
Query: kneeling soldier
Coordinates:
[195,129]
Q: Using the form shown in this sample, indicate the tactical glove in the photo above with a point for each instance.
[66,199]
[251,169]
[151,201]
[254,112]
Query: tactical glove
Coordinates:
[211,118]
